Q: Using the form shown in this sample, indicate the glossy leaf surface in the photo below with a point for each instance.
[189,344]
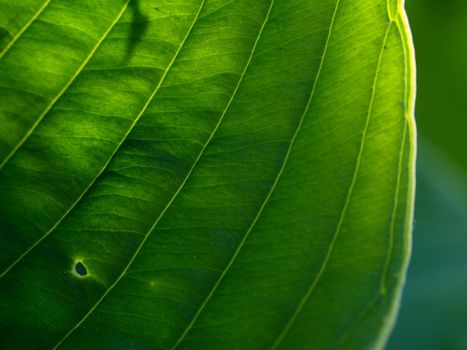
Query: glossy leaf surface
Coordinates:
[203,174]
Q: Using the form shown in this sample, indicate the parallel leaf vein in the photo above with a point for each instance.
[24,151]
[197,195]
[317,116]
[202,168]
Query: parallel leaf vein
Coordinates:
[111,157]
[382,291]
[182,185]
[64,89]
[271,191]
[41,117]
[91,310]
[336,234]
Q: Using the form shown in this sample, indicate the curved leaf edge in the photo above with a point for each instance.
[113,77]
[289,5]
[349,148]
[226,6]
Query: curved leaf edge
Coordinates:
[402,22]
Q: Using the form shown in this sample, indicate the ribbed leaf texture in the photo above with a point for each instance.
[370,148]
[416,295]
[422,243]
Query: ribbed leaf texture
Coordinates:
[203,174]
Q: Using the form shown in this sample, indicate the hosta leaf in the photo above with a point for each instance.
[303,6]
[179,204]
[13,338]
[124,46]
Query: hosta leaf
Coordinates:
[203,174]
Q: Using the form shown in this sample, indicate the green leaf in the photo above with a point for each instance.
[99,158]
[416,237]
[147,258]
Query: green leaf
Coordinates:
[204,174]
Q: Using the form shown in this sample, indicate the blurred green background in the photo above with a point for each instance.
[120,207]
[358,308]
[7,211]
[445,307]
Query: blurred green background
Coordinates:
[433,314]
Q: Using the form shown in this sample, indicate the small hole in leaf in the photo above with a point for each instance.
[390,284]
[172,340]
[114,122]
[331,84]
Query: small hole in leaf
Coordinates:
[80,269]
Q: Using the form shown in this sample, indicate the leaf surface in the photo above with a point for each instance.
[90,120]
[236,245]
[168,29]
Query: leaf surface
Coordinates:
[204,174]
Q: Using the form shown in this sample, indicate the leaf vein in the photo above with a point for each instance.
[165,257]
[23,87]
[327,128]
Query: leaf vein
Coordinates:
[34,127]
[182,185]
[24,28]
[328,255]
[63,90]
[91,310]
[268,196]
